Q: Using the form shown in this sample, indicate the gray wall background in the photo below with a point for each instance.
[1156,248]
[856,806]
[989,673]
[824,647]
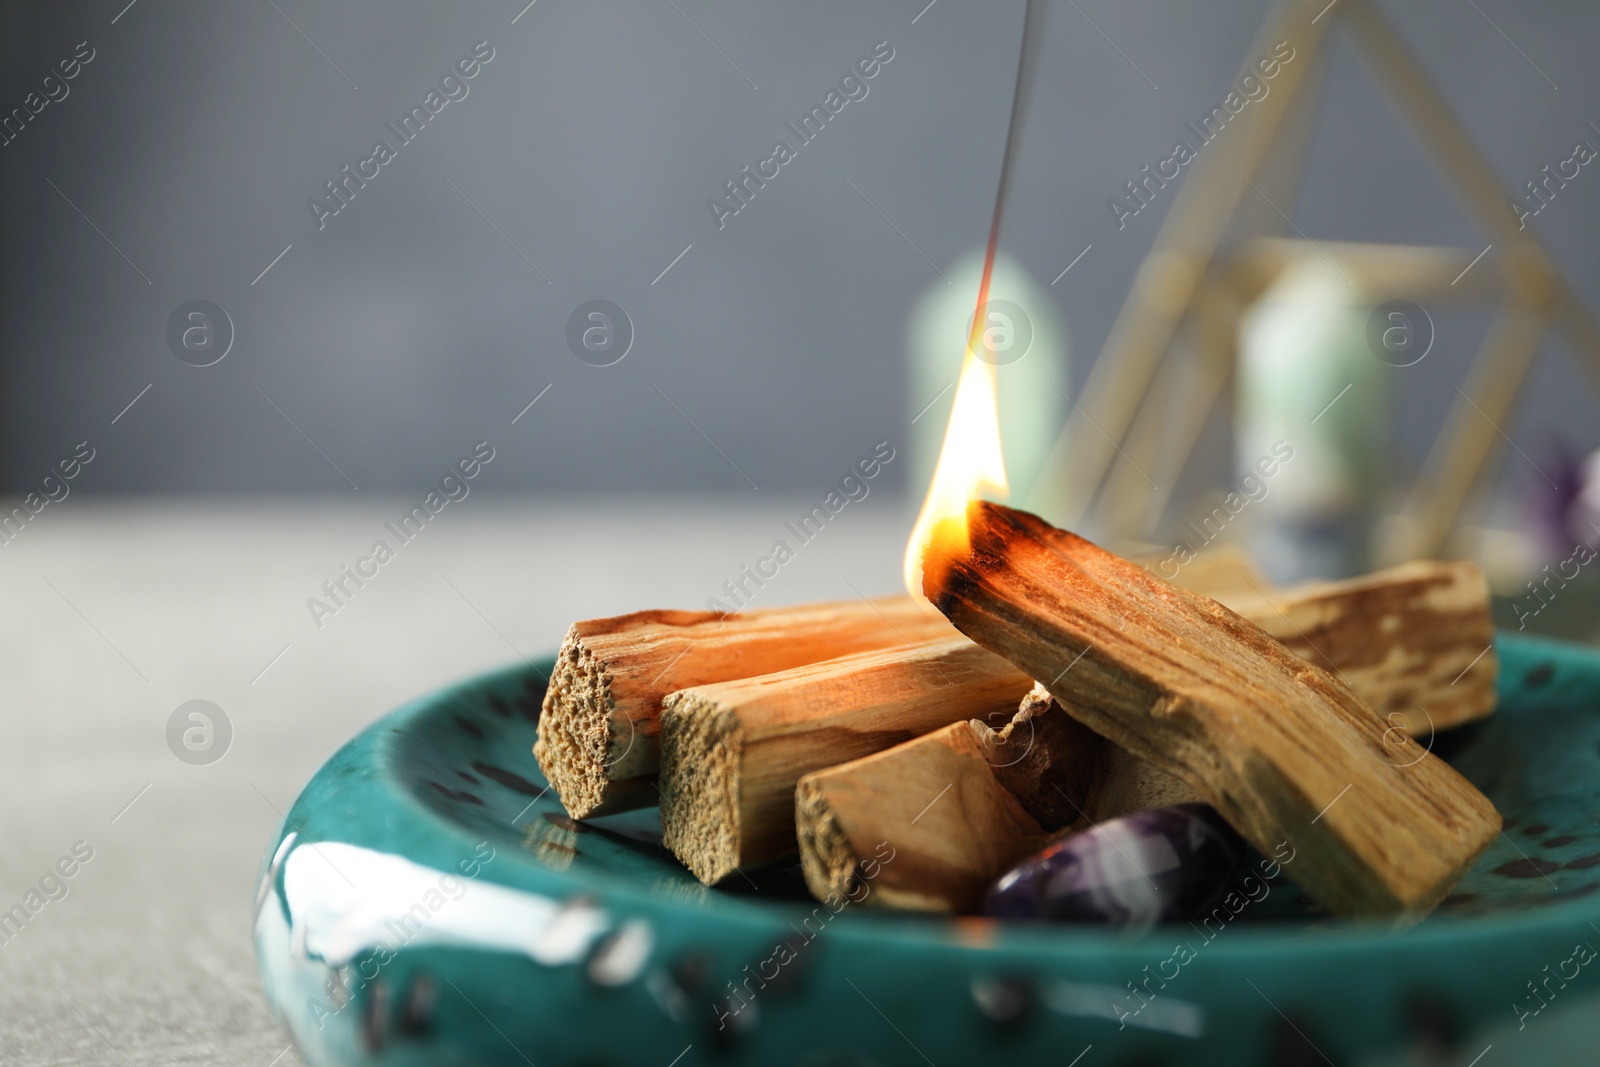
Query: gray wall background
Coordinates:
[409,327]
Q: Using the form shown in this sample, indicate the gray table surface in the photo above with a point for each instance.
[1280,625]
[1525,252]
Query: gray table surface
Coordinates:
[115,614]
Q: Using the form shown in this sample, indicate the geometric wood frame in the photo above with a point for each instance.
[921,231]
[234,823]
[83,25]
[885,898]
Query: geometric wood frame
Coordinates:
[1187,281]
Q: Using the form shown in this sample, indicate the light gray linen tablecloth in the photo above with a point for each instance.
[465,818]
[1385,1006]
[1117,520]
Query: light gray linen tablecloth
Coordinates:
[114,614]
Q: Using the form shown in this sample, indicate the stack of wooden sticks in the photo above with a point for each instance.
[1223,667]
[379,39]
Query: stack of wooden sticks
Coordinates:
[1073,686]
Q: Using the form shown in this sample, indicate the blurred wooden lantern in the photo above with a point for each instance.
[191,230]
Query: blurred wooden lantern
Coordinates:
[1220,248]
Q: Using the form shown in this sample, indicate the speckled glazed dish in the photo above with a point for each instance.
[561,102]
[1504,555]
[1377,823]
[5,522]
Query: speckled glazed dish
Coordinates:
[428,903]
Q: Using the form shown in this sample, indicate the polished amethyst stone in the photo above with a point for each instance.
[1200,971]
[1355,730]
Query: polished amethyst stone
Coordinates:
[1149,867]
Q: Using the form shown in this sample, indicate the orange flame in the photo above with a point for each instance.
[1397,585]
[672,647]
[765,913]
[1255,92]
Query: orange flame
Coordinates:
[970,462]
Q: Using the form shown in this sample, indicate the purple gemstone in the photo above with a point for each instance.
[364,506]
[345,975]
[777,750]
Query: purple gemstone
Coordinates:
[1149,867]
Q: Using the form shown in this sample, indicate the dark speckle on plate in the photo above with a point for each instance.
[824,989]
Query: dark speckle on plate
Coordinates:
[508,779]
[459,795]
[416,1010]
[373,1016]
[1435,1023]
[469,726]
[1527,868]
[469,779]
[1564,895]
[1584,862]
[689,974]
[1535,829]
[1539,676]
[1291,1042]
[1558,842]
[1005,1000]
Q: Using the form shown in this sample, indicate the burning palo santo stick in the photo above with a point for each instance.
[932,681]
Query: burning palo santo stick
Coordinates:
[731,753]
[598,733]
[1280,748]
[1410,641]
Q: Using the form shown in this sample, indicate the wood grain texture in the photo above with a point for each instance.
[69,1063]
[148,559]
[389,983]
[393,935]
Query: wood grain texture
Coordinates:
[599,730]
[1053,764]
[951,827]
[732,753]
[1067,776]
[961,806]
[1415,642]
[1126,783]
[1282,749]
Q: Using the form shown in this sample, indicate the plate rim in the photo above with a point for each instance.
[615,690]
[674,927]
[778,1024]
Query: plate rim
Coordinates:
[1045,941]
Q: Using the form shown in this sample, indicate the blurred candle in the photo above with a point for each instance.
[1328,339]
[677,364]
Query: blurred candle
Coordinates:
[1308,378]
[1025,340]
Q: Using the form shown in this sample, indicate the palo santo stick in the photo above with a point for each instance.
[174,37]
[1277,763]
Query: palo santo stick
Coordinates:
[1052,763]
[1128,784]
[950,827]
[1412,641]
[1408,640]
[598,733]
[1283,750]
[732,753]
[1415,642]
[1069,771]
[957,808]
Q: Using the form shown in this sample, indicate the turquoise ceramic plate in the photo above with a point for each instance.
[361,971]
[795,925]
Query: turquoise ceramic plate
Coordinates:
[428,903]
